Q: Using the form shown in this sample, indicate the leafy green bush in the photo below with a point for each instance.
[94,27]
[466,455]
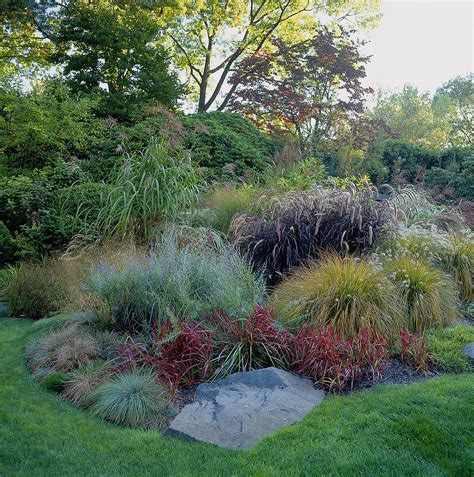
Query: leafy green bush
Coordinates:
[345,294]
[403,160]
[455,178]
[190,282]
[33,289]
[21,199]
[38,127]
[228,145]
[428,295]
[43,215]
[147,188]
[7,245]
[130,399]
[446,345]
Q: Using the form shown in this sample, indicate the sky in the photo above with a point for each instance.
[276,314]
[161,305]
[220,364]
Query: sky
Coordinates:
[422,42]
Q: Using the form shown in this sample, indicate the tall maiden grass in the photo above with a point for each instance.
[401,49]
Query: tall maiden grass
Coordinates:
[341,293]
[188,282]
[147,188]
[428,295]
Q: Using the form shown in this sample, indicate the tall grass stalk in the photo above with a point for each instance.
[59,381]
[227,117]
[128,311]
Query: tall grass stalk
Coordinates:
[148,188]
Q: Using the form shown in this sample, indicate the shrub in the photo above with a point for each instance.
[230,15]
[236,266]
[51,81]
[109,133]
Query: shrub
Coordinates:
[249,343]
[33,289]
[188,282]
[413,350]
[147,188]
[7,245]
[346,294]
[21,199]
[336,363]
[64,349]
[130,399]
[49,122]
[428,295]
[445,346]
[82,381]
[228,145]
[296,227]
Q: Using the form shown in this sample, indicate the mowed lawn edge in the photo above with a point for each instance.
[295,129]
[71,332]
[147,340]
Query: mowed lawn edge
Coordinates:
[425,428]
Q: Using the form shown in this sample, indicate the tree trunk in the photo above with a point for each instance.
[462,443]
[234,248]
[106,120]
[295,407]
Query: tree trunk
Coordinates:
[202,108]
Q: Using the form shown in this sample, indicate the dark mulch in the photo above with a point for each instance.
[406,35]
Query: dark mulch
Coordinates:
[393,371]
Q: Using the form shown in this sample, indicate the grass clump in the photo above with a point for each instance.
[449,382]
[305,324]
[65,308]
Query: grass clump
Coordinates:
[64,349]
[446,344]
[82,381]
[295,227]
[33,289]
[55,381]
[345,294]
[427,294]
[130,399]
[189,282]
[452,253]
[147,188]
[460,263]
[227,201]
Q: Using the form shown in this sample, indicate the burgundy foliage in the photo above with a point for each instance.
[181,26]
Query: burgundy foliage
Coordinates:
[251,343]
[414,350]
[336,363]
[181,355]
[306,86]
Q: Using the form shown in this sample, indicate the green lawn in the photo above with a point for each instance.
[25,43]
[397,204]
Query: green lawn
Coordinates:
[420,429]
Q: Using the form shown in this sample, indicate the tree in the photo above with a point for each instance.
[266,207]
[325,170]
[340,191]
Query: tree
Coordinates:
[21,45]
[414,118]
[212,36]
[459,94]
[109,47]
[302,89]
[113,44]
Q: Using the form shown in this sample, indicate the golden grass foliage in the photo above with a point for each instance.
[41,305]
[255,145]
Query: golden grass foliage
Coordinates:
[344,293]
[428,295]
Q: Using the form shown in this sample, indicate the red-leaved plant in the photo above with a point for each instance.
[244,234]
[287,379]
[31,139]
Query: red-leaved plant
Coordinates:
[250,343]
[333,362]
[181,355]
[413,350]
[186,353]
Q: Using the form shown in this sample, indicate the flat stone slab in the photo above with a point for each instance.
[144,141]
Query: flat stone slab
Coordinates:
[469,350]
[238,411]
